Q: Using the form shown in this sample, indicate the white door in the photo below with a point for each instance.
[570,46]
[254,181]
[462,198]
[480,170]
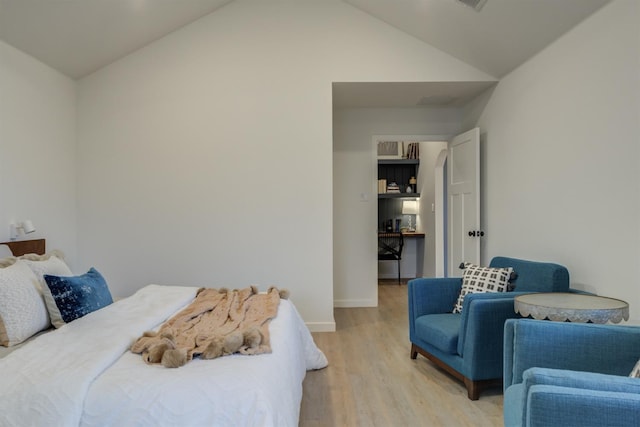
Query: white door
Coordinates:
[463,190]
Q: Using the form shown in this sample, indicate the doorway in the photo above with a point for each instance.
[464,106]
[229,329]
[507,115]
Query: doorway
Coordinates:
[355,219]
[419,251]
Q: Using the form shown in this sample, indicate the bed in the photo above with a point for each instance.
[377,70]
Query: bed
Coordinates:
[84,374]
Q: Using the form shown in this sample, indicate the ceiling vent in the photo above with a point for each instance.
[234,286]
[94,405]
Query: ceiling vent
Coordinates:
[476,4]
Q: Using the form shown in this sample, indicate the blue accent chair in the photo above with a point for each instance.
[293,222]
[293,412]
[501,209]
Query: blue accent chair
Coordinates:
[570,374]
[468,345]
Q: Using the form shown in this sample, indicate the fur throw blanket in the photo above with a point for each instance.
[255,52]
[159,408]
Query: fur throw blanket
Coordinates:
[217,323]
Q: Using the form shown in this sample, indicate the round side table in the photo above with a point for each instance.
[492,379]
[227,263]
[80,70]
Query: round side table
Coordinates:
[562,307]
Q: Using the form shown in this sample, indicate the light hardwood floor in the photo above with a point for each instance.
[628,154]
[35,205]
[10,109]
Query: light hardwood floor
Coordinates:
[372,381]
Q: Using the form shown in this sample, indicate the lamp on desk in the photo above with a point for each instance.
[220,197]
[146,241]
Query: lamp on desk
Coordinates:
[410,207]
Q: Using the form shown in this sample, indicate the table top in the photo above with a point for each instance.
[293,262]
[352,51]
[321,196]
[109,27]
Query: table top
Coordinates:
[560,306]
[412,234]
[409,234]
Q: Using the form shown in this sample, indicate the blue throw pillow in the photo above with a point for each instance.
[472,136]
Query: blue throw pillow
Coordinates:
[71,297]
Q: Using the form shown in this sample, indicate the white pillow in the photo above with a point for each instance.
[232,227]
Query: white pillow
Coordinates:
[51,264]
[476,279]
[22,309]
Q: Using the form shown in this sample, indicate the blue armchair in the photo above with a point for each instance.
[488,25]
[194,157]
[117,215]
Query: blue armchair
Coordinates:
[469,345]
[570,374]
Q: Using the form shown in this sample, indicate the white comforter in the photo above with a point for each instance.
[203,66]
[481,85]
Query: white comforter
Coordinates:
[83,373]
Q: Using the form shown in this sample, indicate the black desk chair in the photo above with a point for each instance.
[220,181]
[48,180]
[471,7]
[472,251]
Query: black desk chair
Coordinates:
[390,248]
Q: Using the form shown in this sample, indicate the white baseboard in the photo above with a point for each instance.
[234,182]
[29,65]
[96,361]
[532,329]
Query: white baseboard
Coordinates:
[321,326]
[349,303]
[393,276]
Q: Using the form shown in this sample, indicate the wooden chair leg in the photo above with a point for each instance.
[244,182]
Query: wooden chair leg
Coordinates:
[473,389]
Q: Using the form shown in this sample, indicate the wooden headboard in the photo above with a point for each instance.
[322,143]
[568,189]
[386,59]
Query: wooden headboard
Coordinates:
[21,247]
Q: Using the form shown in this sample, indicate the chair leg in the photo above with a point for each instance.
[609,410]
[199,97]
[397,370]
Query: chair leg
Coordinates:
[399,281]
[473,389]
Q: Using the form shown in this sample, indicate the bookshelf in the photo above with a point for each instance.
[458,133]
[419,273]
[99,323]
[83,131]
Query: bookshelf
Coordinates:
[399,171]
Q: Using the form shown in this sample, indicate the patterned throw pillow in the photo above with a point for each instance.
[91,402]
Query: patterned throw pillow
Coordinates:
[69,298]
[635,373]
[22,309]
[476,279]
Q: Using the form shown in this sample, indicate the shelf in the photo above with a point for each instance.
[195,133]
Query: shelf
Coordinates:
[398,195]
[398,161]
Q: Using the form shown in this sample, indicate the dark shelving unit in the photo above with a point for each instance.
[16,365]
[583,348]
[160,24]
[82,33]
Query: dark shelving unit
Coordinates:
[398,171]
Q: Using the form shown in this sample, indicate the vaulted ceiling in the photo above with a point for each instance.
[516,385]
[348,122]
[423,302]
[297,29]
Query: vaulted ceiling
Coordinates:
[78,37]
[497,39]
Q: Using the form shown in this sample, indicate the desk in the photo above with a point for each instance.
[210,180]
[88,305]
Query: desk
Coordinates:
[413,259]
[561,307]
[412,264]
[409,234]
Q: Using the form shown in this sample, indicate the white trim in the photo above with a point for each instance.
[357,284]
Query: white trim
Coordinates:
[394,276]
[407,138]
[352,303]
[321,326]
[440,214]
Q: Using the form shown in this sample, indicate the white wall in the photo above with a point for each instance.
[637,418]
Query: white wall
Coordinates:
[206,157]
[562,158]
[354,172]
[37,150]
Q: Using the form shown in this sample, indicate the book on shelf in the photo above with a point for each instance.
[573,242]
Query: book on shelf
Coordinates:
[382,186]
[393,188]
[413,150]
